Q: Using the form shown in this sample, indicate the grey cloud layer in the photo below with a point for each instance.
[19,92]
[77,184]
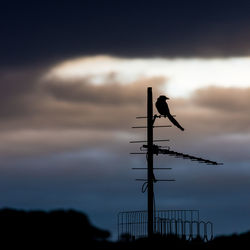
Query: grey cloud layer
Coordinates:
[231,100]
[53,115]
[106,94]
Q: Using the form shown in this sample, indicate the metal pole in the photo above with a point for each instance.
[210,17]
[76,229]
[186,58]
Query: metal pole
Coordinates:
[150,175]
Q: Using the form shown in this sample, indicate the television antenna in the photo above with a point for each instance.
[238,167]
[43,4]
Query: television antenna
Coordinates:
[150,149]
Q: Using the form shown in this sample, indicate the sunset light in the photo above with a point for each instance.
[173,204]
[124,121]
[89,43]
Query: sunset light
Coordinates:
[182,76]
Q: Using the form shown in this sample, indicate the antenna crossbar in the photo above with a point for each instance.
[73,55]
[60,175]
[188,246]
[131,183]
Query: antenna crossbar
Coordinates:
[156,116]
[156,180]
[162,126]
[146,141]
[139,153]
[153,168]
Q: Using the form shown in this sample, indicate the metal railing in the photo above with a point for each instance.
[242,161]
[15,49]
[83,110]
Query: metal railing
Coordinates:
[182,223]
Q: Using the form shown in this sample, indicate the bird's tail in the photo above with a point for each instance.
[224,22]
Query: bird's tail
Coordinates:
[171,118]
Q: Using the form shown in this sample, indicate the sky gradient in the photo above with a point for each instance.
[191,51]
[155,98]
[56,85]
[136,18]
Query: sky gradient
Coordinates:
[73,77]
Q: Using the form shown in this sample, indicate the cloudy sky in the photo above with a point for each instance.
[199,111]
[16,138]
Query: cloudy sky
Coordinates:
[73,77]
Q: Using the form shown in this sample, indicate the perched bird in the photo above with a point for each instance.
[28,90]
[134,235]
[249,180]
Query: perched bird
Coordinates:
[163,109]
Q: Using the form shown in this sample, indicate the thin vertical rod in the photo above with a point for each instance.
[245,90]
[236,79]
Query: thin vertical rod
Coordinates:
[150,174]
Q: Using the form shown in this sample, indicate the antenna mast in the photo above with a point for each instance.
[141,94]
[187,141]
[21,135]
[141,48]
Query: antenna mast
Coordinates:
[150,159]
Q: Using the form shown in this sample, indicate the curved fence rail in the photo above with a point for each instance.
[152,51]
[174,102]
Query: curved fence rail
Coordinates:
[182,223]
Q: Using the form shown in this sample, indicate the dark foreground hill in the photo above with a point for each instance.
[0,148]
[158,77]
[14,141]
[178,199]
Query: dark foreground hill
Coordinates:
[69,229]
[44,229]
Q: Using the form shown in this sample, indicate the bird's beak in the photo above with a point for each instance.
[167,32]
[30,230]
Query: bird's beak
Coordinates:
[167,98]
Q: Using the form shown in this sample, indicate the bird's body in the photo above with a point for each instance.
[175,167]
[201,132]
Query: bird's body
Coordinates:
[163,109]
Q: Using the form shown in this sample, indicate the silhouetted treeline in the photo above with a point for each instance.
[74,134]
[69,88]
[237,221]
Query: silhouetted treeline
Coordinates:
[69,229]
[44,229]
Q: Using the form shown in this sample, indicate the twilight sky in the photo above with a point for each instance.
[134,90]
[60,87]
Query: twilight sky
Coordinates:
[73,77]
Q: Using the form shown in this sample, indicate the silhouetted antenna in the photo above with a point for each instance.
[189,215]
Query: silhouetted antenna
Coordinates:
[159,150]
[138,153]
[151,149]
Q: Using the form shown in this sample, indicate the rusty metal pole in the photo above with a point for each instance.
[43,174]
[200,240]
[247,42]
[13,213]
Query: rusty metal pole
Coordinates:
[150,175]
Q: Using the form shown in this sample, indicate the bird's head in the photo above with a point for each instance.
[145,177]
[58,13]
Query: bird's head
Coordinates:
[163,97]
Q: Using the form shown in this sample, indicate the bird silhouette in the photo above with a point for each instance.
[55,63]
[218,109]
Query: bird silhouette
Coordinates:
[163,109]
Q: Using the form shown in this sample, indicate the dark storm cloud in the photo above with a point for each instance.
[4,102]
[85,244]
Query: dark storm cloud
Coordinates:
[47,31]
